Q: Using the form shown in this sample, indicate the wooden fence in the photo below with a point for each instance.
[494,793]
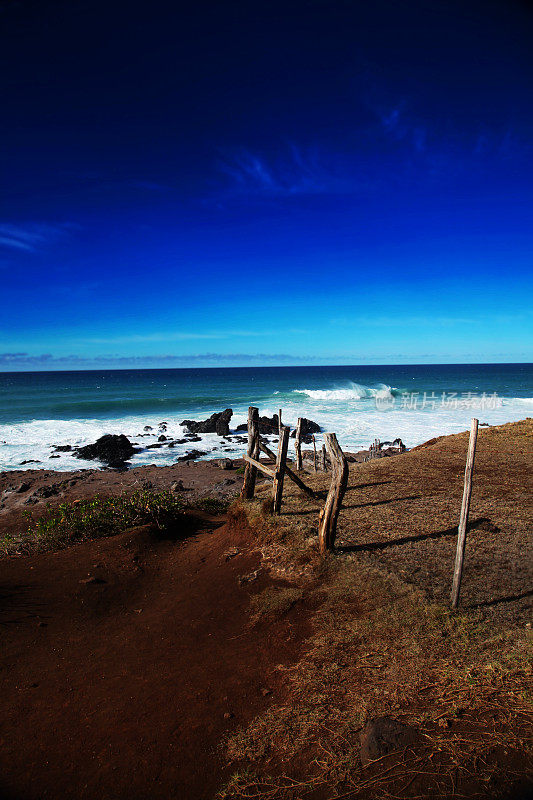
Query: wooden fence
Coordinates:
[277,469]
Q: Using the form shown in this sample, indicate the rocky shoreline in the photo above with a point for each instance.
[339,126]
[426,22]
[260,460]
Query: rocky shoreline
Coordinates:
[29,492]
[114,451]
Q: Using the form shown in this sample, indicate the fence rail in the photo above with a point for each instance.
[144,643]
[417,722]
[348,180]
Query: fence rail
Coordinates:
[331,451]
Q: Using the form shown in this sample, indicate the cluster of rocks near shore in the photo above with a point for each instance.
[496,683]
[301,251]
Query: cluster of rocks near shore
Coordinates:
[114,451]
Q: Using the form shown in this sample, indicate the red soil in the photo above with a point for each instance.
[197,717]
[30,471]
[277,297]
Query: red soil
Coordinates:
[125,662]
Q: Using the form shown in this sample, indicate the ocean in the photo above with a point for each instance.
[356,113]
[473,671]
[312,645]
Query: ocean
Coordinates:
[359,403]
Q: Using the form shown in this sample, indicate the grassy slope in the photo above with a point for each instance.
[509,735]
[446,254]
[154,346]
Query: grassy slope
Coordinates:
[385,641]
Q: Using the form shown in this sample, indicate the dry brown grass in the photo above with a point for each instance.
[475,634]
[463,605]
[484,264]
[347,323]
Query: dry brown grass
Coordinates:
[385,641]
[275,601]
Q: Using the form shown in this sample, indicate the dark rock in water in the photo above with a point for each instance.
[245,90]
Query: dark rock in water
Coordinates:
[266,425]
[63,448]
[307,429]
[162,438]
[191,437]
[110,448]
[192,455]
[30,461]
[162,426]
[384,735]
[154,446]
[217,423]
[148,428]
[171,444]
[54,456]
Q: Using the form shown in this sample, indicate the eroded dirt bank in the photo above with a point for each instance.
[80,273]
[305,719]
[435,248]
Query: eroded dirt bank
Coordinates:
[126,661]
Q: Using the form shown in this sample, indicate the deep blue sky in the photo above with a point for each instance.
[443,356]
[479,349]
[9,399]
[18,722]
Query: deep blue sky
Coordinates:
[265,182]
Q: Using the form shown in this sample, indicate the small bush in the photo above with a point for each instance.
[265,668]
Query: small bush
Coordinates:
[81,520]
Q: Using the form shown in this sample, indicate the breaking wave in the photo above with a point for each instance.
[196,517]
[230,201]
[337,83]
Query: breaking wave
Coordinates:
[355,391]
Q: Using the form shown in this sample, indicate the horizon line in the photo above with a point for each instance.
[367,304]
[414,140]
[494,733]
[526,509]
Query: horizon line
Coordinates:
[271,366]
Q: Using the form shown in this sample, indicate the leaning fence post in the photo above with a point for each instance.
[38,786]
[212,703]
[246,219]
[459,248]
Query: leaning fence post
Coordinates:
[324,461]
[298,444]
[327,525]
[280,424]
[465,507]
[277,484]
[314,453]
[250,472]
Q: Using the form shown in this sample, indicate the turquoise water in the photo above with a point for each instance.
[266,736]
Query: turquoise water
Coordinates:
[359,403]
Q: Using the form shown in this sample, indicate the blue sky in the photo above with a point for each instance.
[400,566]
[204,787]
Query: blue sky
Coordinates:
[269,183]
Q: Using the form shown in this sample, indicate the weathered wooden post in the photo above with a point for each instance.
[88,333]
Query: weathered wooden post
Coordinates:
[465,508]
[314,453]
[324,461]
[280,424]
[327,524]
[250,472]
[298,444]
[277,484]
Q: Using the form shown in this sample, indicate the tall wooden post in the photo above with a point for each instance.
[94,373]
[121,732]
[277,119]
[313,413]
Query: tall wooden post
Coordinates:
[280,424]
[314,453]
[324,461]
[277,484]
[250,472]
[298,444]
[327,525]
[465,508]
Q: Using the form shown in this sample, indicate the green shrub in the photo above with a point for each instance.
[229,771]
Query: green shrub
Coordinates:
[94,518]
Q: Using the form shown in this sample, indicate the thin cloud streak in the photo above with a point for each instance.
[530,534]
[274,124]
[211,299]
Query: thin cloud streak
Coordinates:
[179,336]
[298,172]
[32,236]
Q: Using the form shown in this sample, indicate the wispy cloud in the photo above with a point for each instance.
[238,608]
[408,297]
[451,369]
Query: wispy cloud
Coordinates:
[443,148]
[181,336]
[47,360]
[298,171]
[24,361]
[398,125]
[430,321]
[32,236]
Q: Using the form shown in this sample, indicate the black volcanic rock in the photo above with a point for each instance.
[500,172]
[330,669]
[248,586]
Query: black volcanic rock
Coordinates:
[266,425]
[217,423]
[192,455]
[308,428]
[110,448]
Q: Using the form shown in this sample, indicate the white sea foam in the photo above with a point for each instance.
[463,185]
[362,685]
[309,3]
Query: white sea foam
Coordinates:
[356,413]
[355,391]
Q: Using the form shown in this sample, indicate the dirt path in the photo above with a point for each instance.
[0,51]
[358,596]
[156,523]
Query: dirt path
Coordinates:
[125,662]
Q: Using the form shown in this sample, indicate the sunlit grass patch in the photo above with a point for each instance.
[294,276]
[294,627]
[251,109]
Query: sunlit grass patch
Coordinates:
[97,517]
